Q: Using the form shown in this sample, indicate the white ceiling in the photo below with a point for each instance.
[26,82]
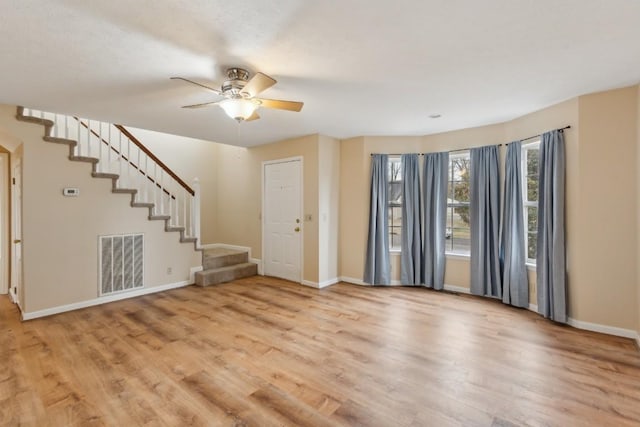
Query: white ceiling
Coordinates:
[362,67]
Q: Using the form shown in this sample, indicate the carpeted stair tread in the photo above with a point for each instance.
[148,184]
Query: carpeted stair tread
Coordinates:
[225,274]
[222,257]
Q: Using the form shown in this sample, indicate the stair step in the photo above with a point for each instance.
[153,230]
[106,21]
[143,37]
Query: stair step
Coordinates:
[60,140]
[222,257]
[225,274]
[159,217]
[105,175]
[84,159]
[124,191]
[142,205]
[170,229]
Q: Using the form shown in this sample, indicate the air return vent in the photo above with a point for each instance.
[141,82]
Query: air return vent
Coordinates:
[121,263]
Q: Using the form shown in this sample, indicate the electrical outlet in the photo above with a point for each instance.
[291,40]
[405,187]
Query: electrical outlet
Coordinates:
[169,270]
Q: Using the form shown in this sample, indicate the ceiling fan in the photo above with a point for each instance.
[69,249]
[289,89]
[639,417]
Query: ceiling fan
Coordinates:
[240,95]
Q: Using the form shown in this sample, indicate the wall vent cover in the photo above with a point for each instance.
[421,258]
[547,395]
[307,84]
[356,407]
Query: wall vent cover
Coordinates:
[121,263]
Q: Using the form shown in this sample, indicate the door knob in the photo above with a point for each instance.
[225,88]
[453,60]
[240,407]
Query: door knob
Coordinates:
[297,229]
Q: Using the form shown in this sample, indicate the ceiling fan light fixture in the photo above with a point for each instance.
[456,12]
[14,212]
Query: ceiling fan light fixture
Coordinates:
[238,108]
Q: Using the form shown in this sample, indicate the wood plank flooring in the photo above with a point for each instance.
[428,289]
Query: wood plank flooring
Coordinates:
[266,352]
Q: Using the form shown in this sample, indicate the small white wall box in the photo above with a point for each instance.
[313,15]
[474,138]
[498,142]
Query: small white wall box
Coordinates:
[71,192]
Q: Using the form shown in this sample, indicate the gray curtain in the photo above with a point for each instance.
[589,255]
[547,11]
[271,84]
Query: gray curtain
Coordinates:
[515,284]
[377,268]
[411,235]
[436,166]
[485,219]
[550,262]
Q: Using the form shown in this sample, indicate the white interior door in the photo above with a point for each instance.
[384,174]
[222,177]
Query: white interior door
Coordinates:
[282,220]
[16,219]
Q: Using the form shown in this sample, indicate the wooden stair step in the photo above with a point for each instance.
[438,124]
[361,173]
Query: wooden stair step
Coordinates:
[225,274]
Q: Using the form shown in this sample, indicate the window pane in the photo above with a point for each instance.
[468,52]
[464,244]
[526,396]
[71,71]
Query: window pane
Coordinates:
[460,167]
[532,219]
[532,245]
[394,237]
[460,240]
[395,170]
[395,193]
[461,192]
[532,188]
[532,161]
[461,217]
[449,218]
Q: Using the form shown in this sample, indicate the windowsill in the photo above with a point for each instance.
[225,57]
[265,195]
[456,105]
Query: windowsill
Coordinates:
[457,256]
[395,251]
[531,267]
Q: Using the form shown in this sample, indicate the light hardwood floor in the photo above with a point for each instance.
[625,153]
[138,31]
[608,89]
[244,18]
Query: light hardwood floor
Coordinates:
[262,351]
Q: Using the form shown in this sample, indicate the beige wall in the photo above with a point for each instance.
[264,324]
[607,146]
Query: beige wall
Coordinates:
[354,200]
[328,208]
[189,158]
[60,234]
[603,278]
[240,196]
[638,207]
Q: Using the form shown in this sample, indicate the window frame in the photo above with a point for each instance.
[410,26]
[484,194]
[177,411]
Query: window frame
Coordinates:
[394,159]
[526,203]
[452,156]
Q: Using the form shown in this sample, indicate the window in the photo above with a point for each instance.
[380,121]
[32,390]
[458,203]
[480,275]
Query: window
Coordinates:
[530,197]
[458,233]
[395,202]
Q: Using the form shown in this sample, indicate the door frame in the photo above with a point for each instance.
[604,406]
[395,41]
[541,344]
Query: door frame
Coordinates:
[266,163]
[16,272]
[5,222]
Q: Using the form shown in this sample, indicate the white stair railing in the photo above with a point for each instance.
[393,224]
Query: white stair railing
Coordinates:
[120,153]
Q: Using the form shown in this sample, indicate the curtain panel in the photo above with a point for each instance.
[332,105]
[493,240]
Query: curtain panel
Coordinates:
[377,269]
[485,219]
[515,284]
[435,175]
[411,232]
[550,262]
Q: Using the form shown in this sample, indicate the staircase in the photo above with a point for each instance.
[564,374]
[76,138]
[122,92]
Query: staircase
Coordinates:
[115,154]
[224,265]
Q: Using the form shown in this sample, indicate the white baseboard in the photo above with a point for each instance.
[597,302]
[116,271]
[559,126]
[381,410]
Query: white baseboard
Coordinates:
[604,329]
[320,285]
[458,289]
[353,281]
[103,300]
[259,262]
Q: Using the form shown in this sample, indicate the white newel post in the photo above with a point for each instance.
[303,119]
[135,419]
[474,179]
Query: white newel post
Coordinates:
[196,211]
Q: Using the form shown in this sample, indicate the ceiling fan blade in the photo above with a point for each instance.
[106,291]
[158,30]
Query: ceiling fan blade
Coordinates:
[281,105]
[254,116]
[206,104]
[197,84]
[258,83]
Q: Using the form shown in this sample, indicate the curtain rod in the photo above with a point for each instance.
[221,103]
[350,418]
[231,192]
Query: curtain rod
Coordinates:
[499,145]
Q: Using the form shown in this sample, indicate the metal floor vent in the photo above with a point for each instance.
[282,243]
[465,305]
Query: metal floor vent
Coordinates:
[121,263]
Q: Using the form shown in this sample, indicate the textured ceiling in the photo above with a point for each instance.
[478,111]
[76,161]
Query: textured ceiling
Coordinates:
[362,67]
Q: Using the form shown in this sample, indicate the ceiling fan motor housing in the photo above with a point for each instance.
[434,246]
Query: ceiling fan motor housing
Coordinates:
[237,79]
